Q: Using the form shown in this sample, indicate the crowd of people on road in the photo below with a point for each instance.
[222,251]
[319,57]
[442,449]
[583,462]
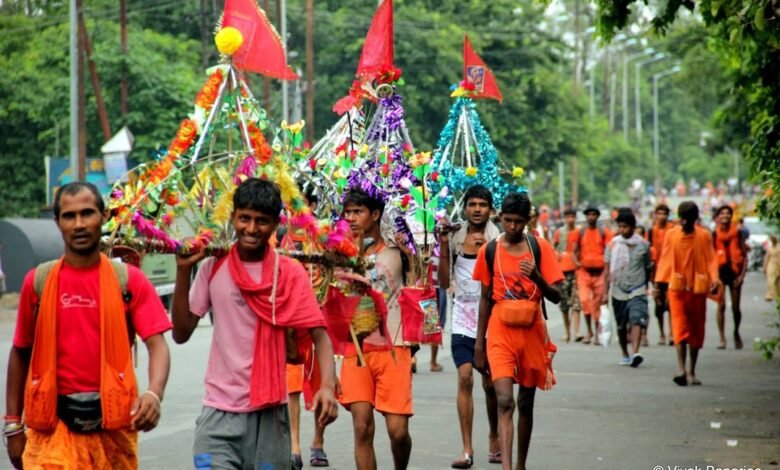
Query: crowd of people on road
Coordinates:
[72,400]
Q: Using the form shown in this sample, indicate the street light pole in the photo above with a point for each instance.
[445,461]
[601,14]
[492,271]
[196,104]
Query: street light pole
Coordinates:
[74,96]
[626,60]
[637,95]
[656,144]
[285,90]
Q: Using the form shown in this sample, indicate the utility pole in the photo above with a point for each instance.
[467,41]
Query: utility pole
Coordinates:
[266,80]
[310,70]
[74,90]
[123,44]
[93,75]
[574,167]
[204,35]
[82,118]
[285,85]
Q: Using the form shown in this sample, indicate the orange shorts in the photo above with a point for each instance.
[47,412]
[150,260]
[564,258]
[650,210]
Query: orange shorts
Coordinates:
[68,450]
[591,289]
[294,378]
[520,353]
[384,382]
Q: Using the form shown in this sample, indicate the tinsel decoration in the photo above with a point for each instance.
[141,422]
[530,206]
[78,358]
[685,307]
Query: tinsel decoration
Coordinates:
[465,156]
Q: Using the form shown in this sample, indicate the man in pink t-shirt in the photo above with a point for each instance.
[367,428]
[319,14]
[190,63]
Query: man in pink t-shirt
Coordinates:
[255,295]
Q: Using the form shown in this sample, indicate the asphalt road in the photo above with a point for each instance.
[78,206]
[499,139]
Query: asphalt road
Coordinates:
[599,416]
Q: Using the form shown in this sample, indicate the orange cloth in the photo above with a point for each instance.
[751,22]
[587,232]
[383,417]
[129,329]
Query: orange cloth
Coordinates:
[565,248]
[688,261]
[294,378]
[688,314]
[385,381]
[590,288]
[657,244]
[592,246]
[522,354]
[728,247]
[66,450]
[118,388]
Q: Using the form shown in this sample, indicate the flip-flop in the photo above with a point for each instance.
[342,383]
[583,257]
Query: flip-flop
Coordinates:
[579,339]
[495,457]
[437,368]
[318,458]
[467,461]
[694,381]
[737,341]
[722,345]
[586,341]
[680,380]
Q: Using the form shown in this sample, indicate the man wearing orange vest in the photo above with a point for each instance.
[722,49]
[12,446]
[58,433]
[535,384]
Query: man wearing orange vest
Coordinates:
[591,241]
[656,238]
[564,240]
[731,252]
[689,267]
[70,372]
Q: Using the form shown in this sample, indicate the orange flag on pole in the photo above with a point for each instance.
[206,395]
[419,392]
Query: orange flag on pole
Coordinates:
[477,73]
[262,50]
[377,51]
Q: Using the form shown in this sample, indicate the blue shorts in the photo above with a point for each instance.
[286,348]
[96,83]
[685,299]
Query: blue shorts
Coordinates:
[463,349]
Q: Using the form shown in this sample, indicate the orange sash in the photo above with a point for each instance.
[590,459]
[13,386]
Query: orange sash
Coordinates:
[728,248]
[118,389]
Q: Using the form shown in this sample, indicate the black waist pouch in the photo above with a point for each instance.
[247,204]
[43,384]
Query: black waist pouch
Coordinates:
[81,412]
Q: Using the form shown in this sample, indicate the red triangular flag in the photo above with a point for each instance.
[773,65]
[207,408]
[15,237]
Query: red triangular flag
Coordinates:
[477,73]
[377,51]
[262,50]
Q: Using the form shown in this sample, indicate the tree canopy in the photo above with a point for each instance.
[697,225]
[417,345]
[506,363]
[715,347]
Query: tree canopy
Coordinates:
[540,123]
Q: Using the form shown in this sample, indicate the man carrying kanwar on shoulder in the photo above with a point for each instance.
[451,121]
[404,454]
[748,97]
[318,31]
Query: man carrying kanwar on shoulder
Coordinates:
[564,240]
[731,250]
[689,266]
[591,242]
[384,382]
[517,272]
[256,295]
[458,258]
[627,269]
[70,372]
[656,237]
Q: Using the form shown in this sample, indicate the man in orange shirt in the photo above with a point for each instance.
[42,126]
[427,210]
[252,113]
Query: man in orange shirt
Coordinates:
[589,247]
[564,239]
[689,267]
[731,252]
[511,331]
[656,238]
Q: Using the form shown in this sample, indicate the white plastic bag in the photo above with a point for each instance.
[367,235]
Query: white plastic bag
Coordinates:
[605,326]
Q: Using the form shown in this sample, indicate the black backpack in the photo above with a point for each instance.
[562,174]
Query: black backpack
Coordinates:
[490,256]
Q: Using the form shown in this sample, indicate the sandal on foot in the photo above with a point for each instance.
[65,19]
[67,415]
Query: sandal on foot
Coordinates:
[296,462]
[494,457]
[694,381]
[737,341]
[318,458]
[586,341]
[722,345]
[437,367]
[680,380]
[578,339]
[467,461]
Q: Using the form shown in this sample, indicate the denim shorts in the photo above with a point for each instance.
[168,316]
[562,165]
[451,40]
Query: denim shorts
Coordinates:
[463,349]
[631,312]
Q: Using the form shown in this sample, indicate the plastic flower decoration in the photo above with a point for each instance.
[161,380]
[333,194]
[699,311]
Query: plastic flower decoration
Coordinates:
[471,172]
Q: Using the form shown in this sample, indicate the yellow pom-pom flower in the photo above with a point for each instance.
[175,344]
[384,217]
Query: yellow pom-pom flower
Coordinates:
[471,172]
[229,40]
[518,172]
